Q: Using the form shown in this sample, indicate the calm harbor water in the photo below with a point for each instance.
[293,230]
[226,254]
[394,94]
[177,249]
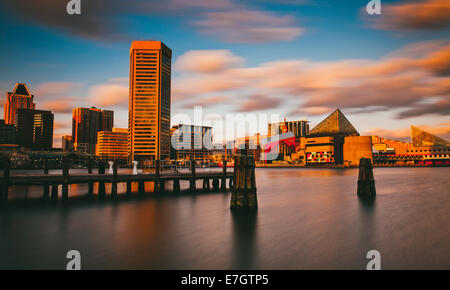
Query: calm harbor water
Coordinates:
[307,219]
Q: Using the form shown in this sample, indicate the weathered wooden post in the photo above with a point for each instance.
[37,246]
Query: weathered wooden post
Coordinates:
[128,188]
[244,185]
[114,182]
[176,185]
[101,183]
[192,180]
[223,185]
[141,185]
[215,184]
[366,182]
[65,185]
[90,183]
[5,179]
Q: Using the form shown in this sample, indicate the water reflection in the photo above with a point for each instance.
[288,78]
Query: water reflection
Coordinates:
[244,238]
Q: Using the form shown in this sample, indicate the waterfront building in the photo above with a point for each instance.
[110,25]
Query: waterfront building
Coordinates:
[66,143]
[190,142]
[149,101]
[424,149]
[19,98]
[113,145]
[86,123]
[34,129]
[7,135]
[298,128]
[253,145]
[337,126]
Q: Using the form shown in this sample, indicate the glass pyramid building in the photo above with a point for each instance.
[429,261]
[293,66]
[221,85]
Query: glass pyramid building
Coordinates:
[336,124]
[421,138]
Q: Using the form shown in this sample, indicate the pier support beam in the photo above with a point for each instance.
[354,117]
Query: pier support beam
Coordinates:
[366,182]
[192,180]
[157,187]
[223,184]
[101,183]
[141,186]
[244,187]
[206,184]
[54,192]
[46,189]
[90,184]
[215,184]
[114,183]
[128,188]
[176,185]
[65,185]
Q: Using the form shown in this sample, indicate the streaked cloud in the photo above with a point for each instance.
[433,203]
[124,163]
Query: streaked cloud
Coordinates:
[231,21]
[412,81]
[415,15]
[111,94]
[259,102]
[207,61]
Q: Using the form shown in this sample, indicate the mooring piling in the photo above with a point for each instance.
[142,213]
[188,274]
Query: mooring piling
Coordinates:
[244,187]
[366,182]
[5,179]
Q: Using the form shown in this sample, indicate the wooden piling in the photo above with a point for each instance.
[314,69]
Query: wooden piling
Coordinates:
[114,183]
[192,180]
[366,182]
[215,184]
[5,179]
[54,192]
[65,185]
[128,188]
[176,185]
[157,187]
[244,185]
[223,185]
[90,183]
[141,186]
[206,184]
[101,183]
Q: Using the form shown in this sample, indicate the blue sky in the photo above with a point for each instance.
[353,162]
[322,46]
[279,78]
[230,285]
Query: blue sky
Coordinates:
[67,59]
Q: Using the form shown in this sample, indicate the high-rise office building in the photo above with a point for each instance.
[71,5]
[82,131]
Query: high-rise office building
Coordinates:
[113,145]
[86,123]
[34,128]
[149,101]
[19,98]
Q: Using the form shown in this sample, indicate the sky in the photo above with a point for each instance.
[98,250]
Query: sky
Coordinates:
[297,59]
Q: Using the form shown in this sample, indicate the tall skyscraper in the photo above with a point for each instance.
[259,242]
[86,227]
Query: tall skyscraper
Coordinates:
[34,128]
[149,101]
[20,97]
[86,123]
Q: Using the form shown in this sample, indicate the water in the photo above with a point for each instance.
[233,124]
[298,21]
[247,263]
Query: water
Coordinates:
[307,219]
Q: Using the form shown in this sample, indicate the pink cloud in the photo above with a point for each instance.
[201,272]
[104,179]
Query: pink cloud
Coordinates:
[207,61]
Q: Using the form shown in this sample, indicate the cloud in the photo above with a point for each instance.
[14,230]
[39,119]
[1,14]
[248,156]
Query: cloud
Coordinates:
[225,19]
[414,15]
[258,102]
[206,102]
[55,96]
[412,81]
[112,94]
[207,61]
[249,26]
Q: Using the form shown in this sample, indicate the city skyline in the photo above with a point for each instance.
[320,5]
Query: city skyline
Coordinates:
[383,77]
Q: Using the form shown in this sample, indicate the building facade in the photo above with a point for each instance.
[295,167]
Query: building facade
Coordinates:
[34,129]
[149,101]
[19,98]
[86,123]
[298,128]
[113,145]
[66,143]
[7,134]
[187,142]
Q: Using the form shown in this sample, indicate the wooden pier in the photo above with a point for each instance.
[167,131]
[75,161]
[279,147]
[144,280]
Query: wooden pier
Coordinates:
[51,182]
